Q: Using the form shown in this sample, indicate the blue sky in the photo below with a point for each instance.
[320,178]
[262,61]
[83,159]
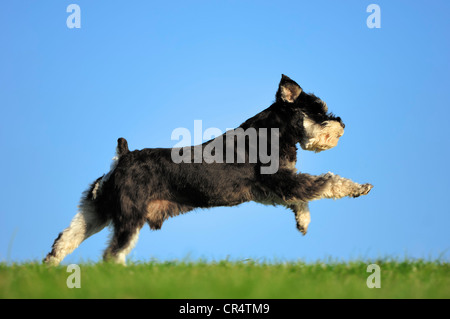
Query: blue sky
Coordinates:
[140,69]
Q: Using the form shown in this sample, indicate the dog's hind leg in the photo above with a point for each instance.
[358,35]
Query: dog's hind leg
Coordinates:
[86,223]
[122,242]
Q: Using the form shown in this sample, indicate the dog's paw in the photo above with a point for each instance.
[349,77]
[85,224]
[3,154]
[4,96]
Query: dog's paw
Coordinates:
[303,221]
[50,260]
[363,190]
[302,228]
[367,187]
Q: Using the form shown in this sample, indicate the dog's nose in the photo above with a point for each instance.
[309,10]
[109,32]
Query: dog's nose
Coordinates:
[340,122]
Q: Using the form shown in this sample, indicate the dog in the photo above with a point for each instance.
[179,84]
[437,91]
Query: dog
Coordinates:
[148,186]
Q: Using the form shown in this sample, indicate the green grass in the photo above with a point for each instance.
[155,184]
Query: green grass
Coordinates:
[225,279]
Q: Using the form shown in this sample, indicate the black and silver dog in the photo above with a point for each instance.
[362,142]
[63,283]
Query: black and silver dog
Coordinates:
[148,186]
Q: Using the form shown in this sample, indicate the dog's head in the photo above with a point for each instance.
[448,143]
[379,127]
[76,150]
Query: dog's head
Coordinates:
[317,129]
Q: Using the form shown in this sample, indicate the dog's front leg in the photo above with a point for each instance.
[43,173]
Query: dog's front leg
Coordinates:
[302,216]
[324,186]
[293,189]
[296,190]
[327,186]
[335,186]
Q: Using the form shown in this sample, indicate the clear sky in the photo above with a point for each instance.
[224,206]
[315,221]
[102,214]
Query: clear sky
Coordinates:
[140,69]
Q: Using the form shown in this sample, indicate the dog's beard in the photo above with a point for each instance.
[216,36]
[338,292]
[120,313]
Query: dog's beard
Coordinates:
[319,137]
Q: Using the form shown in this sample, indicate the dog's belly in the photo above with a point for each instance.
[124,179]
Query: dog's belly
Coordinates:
[208,196]
[208,185]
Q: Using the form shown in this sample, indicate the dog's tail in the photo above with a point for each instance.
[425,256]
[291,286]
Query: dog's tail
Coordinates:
[122,147]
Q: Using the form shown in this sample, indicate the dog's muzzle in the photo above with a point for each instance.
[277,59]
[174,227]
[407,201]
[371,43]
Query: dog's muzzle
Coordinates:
[322,137]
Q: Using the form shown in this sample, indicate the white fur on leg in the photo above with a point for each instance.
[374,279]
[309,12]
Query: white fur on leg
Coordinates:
[84,224]
[338,187]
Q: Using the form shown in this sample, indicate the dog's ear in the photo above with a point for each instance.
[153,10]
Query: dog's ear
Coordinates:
[288,90]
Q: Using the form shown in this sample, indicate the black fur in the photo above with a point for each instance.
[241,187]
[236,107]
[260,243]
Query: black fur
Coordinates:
[147,175]
[147,186]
